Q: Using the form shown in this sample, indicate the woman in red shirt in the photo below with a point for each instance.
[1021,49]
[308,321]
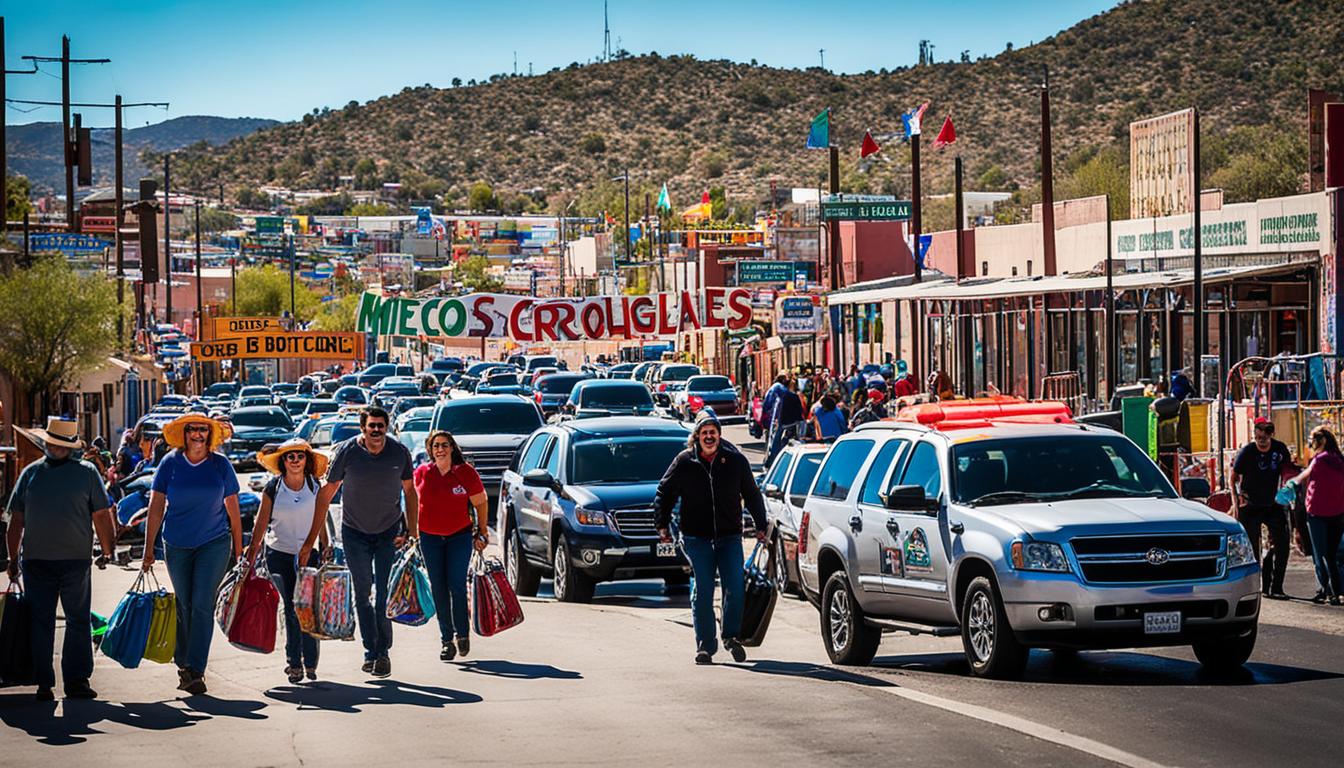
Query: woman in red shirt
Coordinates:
[452,504]
[1324,481]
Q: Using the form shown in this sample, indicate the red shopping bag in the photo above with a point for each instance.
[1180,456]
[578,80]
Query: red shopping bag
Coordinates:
[255,621]
[494,604]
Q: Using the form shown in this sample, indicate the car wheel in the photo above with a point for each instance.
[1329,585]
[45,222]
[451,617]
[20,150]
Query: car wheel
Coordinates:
[1226,654]
[848,638]
[571,584]
[523,576]
[990,645]
[782,566]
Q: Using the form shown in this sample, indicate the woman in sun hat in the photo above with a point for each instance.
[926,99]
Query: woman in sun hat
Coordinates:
[290,521]
[195,498]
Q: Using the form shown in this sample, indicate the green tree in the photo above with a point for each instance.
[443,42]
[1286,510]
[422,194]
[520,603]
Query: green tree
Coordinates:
[338,315]
[369,209]
[215,220]
[55,324]
[264,292]
[482,198]
[17,190]
[1098,171]
[1253,163]
[473,273]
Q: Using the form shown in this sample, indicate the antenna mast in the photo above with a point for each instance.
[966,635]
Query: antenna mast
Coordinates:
[606,34]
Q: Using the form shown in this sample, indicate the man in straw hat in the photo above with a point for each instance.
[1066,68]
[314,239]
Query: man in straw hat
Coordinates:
[49,513]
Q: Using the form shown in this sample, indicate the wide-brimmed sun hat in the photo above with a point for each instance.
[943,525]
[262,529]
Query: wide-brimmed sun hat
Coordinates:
[175,434]
[272,456]
[59,432]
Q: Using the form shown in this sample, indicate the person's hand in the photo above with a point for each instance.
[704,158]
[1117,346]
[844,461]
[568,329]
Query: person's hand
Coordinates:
[760,536]
[481,541]
[147,563]
[303,557]
[399,542]
[664,536]
[327,554]
[101,561]
[13,570]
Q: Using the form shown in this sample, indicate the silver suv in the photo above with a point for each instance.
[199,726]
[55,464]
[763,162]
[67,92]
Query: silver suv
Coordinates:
[1018,536]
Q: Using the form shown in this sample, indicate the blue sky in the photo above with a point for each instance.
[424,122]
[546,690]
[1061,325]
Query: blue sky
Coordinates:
[282,58]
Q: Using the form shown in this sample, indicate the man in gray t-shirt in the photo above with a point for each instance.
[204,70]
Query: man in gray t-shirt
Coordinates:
[375,472]
[56,504]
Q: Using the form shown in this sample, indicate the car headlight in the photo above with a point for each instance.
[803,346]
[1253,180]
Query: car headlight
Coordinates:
[587,516]
[1239,550]
[1039,556]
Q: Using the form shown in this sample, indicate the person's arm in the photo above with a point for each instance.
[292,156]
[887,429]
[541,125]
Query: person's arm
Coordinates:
[259,527]
[481,502]
[328,492]
[107,539]
[13,537]
[412,508]
[235,523]
[669,491]
[318,531]
[1302,476]
[153,519]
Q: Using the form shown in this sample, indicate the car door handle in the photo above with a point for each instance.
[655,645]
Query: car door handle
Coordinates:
[856,523]
[957,528]
[527,495]
[893,527]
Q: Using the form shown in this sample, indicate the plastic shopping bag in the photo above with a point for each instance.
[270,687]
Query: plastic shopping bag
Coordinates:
[128,628]
[255,619]
[162,641]
[409,600]
[306,597]
[336,604]
[226,597]
[494,604]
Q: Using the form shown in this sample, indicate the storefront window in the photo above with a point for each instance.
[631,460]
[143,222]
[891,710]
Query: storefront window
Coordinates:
[1128,343]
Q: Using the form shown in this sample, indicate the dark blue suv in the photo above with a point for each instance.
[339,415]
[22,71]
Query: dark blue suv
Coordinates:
[577,505]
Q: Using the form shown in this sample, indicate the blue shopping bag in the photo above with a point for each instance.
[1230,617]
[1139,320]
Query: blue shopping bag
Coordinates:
[409,600]
[128,628]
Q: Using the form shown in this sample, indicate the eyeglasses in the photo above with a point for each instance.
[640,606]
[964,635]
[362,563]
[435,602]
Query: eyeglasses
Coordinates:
[441,446]
[197,429]
[375,426]
[296,456]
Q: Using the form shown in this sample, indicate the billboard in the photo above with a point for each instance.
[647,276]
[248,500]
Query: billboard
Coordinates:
[231,327]
[307,345]
[1316,101]
[1162,165]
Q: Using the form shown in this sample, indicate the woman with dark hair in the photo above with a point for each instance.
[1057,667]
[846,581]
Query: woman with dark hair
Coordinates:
[452,504]
[1324,482]
[828,421]
[290,521]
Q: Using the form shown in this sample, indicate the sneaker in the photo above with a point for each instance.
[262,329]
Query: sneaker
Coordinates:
[294,673]
[1278,594]
[1319,598]
[463,645]
[183,677]
[735,648]
[44,694]
[197,685]
[448,652]
[367,668]
[382,667]
[1334,600]
[79,689]
[1265,590]
[311,672]
[704,657]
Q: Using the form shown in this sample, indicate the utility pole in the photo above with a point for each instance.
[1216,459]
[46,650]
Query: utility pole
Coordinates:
[200,307]
[822,53]
[629,257]
[916,232]
[293,315]
[1047,182]
[1112,354]
[1200,330]
[119,194]
[968,353]
[167,241]
[833,239]
[4,168]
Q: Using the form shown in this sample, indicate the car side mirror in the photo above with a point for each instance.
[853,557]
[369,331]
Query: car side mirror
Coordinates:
[909,498]
[1195,488]
[540,478]
[773,491]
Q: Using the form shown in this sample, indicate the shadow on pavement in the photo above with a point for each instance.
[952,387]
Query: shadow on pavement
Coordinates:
[516,671]
[340,697]
[1128,668]
[75,721]
[632,594]
[810,671]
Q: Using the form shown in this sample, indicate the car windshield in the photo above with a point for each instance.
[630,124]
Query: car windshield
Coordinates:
[540,362]
[322,406]
[622,460]
[678,372]
[476,369]
[558,385]
[615,397]
[1054,468]
[709,384]
[490,418]
[267,417]
[503,380]
[344,431]
[416,425]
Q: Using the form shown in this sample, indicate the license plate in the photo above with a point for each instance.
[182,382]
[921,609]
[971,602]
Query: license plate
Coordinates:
[1163,623]
[665,550]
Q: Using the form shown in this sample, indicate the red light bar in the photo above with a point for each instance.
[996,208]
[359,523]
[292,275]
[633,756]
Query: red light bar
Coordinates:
[986,412]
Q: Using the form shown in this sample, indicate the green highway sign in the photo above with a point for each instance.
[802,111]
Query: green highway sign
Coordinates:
[898,210]
[766,272]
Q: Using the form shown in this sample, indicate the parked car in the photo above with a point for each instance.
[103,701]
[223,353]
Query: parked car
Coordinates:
[295,406]
[670,379]
[530,363]
[552,390]
[488,429]
[622,371]
[701,392]
[393,388]
[351,396]
[229,388]
[1018,536]
[607,397]
[379,371]
[283,389]
[254,427]
[784,486]
[577,505]
[503,384]
[316,408]
[534,375]
[642,371]
[253,391]
[479,371]
[412,427]
[328,387]
[443,367]
[408,403]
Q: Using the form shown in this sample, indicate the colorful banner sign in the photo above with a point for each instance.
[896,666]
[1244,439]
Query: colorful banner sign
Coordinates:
[234,327]
[307,345]
[530,319]
[858,211]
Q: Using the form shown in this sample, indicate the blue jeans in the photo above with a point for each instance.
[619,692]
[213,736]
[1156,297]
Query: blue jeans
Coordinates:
[45,581]
[446,559]
[1325,541]
[300,648]
[369,557]
[196,573]
[724,556]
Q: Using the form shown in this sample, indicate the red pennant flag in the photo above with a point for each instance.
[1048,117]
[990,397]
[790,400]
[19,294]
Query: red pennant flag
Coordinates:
[946,135]
[704,199]
[869,147]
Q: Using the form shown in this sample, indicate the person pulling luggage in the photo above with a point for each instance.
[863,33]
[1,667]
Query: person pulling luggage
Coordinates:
[712,480]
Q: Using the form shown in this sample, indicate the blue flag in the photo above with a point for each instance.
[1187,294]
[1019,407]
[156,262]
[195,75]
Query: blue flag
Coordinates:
[819,137]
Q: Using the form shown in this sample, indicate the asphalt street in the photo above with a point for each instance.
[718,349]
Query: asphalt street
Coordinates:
[613,683]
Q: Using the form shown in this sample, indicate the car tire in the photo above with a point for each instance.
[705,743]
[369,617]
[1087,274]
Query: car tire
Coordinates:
[1226,654]
[571,585]
[847,637]
[992,650]
[781,573]
[523,576]
[677,583]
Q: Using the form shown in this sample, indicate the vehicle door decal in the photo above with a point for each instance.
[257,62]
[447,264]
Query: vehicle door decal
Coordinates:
[892,560]
[916,548]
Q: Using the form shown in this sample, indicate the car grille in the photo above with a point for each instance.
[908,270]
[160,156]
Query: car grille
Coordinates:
[723,407]
[635,523]
[1124,559]
[489,463]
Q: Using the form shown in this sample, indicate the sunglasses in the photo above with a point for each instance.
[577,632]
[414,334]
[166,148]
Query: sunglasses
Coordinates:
[197,429]
[441,446]
[374,426]
[296,456]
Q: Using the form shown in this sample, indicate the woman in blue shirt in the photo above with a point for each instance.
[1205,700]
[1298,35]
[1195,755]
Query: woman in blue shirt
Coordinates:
[195,499]
[828,420]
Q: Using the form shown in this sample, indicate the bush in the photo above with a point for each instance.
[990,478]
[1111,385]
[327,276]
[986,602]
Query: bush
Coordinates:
[594,144]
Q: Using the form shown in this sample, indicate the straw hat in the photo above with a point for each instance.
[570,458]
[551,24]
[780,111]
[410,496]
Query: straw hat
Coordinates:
[270,456]
[174,432]
[60,432]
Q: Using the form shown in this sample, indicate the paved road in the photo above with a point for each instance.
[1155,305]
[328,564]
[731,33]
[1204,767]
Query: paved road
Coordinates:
[614,683]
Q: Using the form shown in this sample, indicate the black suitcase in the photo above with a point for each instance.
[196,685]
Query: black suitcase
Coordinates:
[758,604]
[16,647]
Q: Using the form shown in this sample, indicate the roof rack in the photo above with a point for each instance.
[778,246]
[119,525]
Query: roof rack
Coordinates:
[986,412]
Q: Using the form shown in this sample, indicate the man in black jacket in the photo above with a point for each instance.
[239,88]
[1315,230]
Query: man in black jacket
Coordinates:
[711,478]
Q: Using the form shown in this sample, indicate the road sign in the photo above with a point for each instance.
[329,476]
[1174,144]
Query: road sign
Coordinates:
[859,211]
[765,272]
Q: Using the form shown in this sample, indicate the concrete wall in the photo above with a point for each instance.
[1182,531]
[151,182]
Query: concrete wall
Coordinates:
[871,250]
